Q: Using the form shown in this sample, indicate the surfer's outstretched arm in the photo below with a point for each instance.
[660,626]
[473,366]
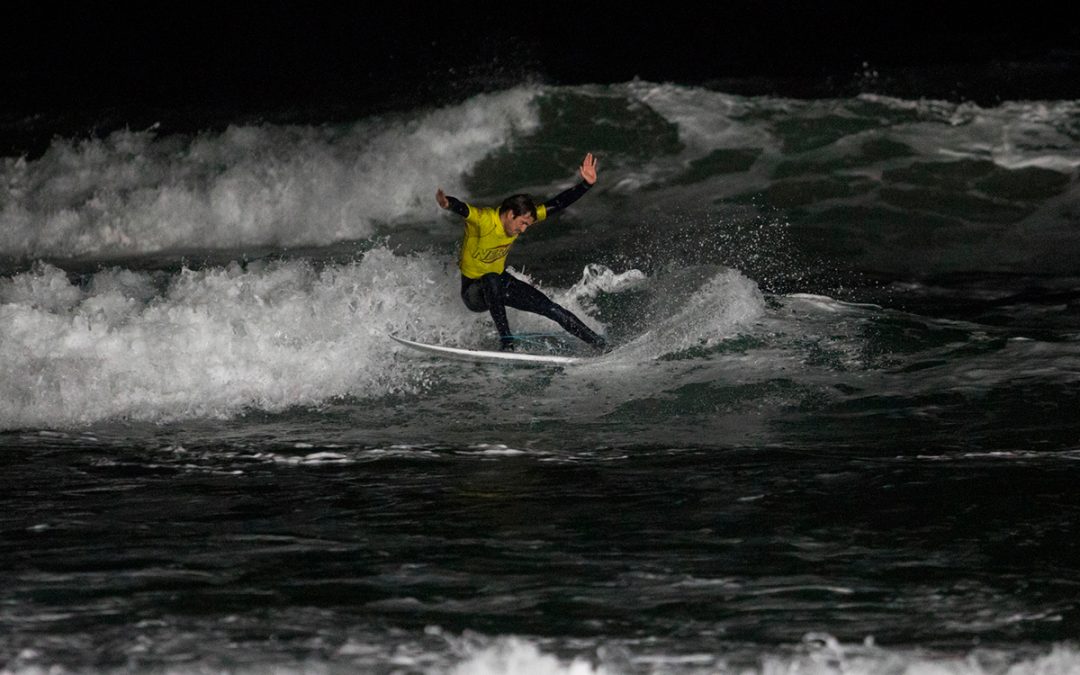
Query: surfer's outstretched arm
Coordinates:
[452,203]
[568,197]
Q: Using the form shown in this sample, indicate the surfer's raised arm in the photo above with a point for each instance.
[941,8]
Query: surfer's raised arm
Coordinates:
[568,197]
[452,203]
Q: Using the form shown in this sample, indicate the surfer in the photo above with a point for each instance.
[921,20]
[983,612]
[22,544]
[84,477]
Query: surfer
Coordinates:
[489,234]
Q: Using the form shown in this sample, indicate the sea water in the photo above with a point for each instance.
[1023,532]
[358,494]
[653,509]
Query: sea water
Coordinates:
[836,431]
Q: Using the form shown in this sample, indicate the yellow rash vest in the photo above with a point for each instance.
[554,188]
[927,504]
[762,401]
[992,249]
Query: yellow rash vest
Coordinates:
[486,244]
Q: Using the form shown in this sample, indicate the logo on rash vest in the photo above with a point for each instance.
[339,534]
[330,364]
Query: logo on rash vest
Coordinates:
[492,254]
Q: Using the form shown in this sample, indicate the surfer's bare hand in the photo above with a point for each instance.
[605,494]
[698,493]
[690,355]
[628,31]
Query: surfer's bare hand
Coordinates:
[588,169]
[440,197]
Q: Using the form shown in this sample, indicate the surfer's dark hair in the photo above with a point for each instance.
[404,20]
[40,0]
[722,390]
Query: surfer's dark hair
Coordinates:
[518,205]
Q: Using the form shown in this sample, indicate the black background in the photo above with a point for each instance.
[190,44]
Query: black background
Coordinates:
[260,57]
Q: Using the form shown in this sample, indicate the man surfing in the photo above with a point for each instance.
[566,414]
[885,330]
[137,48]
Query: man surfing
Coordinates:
[489,234]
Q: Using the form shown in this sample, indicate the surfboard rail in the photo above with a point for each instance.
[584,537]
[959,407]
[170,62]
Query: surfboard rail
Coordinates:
[484,356]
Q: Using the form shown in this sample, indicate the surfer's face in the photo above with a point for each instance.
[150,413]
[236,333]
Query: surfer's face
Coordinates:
[515,225]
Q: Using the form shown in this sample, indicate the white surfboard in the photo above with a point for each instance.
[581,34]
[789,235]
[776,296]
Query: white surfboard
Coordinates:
[481,356]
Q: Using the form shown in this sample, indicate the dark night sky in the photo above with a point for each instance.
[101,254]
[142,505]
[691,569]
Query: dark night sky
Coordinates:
[277,54]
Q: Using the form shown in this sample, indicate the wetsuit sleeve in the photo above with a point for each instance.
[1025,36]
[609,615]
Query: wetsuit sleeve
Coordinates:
[566,198]
[459,207]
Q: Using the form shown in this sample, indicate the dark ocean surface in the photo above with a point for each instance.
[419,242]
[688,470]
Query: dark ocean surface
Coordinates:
[837,432]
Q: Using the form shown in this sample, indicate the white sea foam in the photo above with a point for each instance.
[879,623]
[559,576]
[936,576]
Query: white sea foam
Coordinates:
[819,655]
[216,341]
[516,655]
[725,303]
[439,653]
[134,192]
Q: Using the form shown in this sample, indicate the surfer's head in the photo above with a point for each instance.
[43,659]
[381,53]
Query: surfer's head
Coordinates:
[517,213]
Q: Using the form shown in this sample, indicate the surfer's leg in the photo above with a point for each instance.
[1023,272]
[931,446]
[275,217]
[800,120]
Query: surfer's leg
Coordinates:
[494,295]
[521,295]
[472,294]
